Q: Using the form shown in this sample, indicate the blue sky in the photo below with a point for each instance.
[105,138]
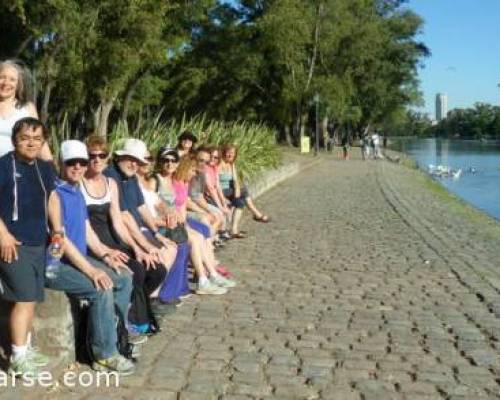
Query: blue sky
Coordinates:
[464,38]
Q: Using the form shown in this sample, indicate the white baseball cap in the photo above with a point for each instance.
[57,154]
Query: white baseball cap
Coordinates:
[73,149]
[134,148]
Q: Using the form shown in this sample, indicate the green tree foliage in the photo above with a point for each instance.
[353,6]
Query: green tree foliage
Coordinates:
[99,62]
[403,122]
[481,121]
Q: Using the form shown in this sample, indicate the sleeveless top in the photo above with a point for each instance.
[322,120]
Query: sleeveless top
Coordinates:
[151,199]
[225,179]
[166,194]
[181,193]
[99,215]
[6,125]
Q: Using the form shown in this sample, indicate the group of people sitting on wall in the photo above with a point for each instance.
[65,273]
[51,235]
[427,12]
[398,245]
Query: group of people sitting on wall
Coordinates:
[118,231]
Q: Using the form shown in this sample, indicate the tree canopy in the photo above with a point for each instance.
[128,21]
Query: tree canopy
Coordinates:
[99,62]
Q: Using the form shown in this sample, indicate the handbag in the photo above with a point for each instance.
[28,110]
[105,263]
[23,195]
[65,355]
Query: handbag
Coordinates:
[178,234]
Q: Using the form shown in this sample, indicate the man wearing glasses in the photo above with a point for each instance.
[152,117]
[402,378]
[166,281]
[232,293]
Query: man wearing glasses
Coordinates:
[27,203]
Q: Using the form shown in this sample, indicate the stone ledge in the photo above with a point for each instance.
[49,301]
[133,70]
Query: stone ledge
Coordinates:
[271,178]
[53,327]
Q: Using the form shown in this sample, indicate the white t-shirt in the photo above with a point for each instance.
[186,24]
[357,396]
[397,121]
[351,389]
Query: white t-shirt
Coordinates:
[6,125]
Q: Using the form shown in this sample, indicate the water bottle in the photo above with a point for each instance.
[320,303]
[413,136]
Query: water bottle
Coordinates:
[54,255]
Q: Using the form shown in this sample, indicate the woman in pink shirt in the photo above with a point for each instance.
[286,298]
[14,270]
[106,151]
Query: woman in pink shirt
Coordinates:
[177,175]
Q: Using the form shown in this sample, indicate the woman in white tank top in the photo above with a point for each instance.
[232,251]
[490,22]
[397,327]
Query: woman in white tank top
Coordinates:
[14,105]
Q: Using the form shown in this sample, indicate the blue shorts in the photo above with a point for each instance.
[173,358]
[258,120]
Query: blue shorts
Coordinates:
[238,202]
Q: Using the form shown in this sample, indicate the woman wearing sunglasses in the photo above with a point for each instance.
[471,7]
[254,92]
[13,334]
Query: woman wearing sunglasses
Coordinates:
[213,191]
[173,177]
[175,287]
[235,192]
[102,198]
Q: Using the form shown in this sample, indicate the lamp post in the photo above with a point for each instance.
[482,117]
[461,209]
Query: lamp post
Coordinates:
[316,130]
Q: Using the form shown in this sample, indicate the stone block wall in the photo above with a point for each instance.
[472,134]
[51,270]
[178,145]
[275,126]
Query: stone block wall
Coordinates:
[53,327]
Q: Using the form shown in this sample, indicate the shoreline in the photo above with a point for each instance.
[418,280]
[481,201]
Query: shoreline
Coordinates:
[461,236]
[408,161]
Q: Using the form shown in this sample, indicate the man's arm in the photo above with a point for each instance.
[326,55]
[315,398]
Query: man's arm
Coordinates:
[100,279]
[151,224]
[54,210]
[8,243]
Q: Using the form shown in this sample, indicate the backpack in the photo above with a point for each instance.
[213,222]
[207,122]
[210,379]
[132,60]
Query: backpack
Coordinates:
[83,347]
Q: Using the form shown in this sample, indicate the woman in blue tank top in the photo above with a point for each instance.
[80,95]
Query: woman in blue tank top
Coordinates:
[235,192]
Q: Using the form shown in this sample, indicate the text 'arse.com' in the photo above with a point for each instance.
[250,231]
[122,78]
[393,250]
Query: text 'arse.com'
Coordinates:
[69,379]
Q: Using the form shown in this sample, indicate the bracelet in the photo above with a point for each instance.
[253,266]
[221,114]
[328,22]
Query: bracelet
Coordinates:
[58,232]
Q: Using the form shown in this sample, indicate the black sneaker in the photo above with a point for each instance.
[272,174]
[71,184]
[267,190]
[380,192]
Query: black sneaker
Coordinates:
[172,302]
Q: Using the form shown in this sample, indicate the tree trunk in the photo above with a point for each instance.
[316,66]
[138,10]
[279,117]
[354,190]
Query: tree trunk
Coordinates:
[324,130]
[44,110]
[131,87]
[24,44]
[288,134]
[101,116]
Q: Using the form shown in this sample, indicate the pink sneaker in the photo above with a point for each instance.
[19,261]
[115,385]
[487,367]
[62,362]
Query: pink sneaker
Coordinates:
[222,270]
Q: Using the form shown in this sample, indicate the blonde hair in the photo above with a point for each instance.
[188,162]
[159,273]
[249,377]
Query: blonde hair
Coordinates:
[228,147]
[96,142]
[182,171]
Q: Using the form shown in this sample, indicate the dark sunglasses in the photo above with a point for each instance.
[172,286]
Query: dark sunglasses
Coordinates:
[95,156]
[75,161]
[168,160]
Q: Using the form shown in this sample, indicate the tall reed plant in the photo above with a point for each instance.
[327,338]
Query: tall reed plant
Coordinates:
[257,149]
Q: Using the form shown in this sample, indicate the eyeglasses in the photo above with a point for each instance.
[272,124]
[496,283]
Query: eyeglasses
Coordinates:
[76,161]
[215,157]
[168,160]
[34,139]
[95,156]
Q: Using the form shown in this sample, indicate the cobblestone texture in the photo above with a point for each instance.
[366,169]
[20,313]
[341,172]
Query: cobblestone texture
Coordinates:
[365,286]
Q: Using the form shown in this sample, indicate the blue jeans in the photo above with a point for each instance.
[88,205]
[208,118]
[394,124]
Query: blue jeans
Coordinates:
[102,318]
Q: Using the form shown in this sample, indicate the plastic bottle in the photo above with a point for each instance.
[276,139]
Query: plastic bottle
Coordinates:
[54,255]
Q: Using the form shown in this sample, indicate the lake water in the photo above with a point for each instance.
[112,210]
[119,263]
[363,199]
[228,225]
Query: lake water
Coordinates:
[479,183]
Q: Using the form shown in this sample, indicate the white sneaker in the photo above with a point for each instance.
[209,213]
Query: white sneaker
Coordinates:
[23,367]
[219,280]
[209,288]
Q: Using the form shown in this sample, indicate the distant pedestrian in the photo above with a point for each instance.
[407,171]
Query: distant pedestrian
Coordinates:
[364,144]
[376,146]
[345,147]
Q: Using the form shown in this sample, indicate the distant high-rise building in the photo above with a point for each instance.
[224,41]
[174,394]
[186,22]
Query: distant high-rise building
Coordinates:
[441,106]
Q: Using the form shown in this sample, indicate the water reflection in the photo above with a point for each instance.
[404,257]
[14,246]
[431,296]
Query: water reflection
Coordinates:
[479,184]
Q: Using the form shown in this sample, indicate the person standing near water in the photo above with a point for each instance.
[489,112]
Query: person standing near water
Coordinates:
[15,104]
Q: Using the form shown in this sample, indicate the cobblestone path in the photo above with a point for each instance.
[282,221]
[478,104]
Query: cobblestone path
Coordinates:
[356,290]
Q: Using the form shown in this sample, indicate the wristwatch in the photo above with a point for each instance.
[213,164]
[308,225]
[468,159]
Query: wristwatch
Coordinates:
[59,232]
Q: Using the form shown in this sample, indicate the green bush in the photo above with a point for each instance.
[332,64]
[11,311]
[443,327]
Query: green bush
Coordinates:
[257,149]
